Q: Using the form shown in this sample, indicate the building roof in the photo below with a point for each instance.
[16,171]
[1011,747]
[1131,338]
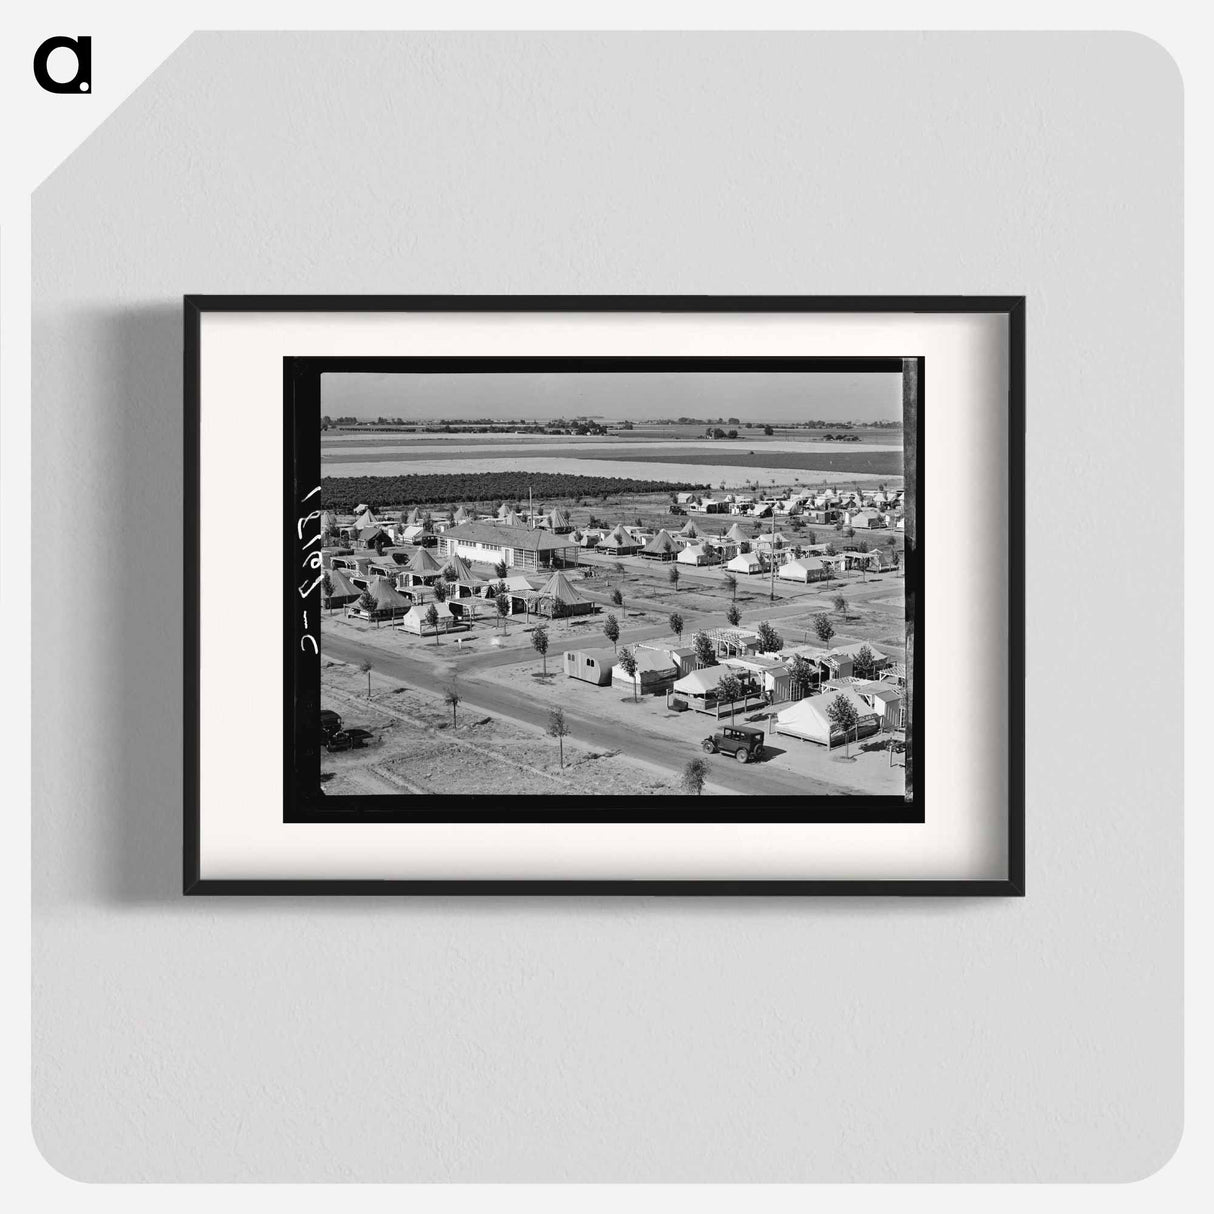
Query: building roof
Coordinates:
[422,561]
[559,589]
[700,681]
[851,650]
[650,661]
[504,535]
[813,709]
[463,573]
[419,611]
[662,542]
[886,692]
[341,584]
[618,538]
[386,596]
[736,534]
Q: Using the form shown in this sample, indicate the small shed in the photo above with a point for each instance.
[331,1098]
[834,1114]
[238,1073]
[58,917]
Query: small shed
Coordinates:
[590,665]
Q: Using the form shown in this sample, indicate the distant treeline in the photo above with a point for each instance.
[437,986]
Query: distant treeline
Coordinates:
[422,489]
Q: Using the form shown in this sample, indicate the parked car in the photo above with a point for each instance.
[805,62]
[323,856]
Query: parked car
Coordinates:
[348,739]
[330,722]
[744,742]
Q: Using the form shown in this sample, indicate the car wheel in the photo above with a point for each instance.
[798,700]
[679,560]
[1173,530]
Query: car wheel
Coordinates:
[708,746]
[759,751]
[742,756]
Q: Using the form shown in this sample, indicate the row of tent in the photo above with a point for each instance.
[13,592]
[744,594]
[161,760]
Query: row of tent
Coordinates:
[557,597]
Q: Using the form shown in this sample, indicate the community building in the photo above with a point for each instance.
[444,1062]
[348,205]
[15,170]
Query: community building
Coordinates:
[519,547]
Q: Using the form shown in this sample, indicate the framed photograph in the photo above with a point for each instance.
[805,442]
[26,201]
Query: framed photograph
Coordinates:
[604,595]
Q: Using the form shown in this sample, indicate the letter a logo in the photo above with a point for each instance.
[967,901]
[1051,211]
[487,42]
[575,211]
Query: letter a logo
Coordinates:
[82,81]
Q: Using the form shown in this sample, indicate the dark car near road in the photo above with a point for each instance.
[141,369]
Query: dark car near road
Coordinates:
[348,739]
[744,742]
[330,722]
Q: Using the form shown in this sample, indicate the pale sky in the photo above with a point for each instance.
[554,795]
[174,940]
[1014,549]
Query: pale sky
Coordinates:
[775,396]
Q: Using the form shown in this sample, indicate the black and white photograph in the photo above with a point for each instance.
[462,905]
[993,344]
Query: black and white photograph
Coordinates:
[675,580]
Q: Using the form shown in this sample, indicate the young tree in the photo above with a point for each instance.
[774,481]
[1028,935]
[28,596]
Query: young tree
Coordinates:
[618,569]
[440,591]
[326,589]
[802,671]
[617,600]
[850,532]
[812,536]
[432,620]
[676,625]
[744,546]
[365,667]
[823,628]
[502,602]
[673,577]
[451,695]
[864,663]
[500,570]
[694,775]
[842,713]
[611,630]
[733,615]
[380,545]
[840,604]
[366,602]
[539,642]
[731,584]
[731,690]
[558,728]
[770,641]
[629,663]
[706,654]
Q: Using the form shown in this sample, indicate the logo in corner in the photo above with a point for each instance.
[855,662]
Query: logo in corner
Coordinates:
[82,48]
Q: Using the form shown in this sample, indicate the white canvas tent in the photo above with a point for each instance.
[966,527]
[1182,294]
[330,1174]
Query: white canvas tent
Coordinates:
[745,562]
[807,719]
[415,619]
[802,569]
[698,554]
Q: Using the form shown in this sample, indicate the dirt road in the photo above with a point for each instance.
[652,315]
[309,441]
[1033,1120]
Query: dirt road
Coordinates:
[522,705]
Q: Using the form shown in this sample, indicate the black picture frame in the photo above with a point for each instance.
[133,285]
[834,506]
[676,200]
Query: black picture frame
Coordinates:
[297,370]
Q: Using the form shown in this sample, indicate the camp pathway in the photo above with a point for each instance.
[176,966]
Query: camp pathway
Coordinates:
[667,753]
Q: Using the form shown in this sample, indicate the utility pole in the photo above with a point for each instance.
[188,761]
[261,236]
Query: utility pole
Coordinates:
[772,557]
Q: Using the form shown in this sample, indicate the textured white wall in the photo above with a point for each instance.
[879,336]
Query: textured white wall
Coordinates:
[630,1039]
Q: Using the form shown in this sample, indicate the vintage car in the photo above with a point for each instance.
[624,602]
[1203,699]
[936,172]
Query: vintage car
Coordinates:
[330,722]
[744,742]
[348,739]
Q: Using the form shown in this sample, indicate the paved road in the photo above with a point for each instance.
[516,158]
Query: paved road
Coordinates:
[521,705]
